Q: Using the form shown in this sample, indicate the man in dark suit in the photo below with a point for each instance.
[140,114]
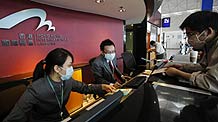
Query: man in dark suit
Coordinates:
[104,66]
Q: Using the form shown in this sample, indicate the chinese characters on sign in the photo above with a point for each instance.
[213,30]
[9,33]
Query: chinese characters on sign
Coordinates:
[34,40]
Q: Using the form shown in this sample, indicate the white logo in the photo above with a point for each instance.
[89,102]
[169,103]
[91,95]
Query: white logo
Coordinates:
[166,20]
[12,20]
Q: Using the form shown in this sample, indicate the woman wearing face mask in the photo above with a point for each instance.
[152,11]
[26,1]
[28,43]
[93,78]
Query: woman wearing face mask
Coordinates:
[45,99]
[202,33]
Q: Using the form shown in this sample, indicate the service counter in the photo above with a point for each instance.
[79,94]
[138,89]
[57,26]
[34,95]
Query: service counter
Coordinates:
[178,101]
[138,105]
[163,99]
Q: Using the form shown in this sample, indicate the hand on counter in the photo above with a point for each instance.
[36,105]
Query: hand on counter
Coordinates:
[125,77]
[108,88]
[171,71]
[177,66]
[117,85]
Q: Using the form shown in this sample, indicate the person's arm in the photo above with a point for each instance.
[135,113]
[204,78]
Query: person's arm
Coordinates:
[171,71]
[207,79]
[151,50]
[191,67]
[90,88]
[22,108]
[118,72]
[188,67]
[121,75]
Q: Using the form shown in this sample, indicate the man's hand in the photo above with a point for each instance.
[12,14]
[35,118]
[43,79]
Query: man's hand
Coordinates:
[117,85]
[125,77]
[171,71]
[108,88]
[177,66]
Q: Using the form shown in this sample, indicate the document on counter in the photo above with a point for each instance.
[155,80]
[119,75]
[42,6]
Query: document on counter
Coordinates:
[125,91]
[157,71]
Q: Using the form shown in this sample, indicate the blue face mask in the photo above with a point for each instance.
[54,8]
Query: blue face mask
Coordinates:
[68,75]
[110,56]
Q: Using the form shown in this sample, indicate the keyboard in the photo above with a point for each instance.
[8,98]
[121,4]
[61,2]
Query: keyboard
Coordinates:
[135,82]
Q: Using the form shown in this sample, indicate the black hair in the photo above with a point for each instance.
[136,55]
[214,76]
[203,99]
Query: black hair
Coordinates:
[152,43]
[200,21]
[106,42]
[55,57]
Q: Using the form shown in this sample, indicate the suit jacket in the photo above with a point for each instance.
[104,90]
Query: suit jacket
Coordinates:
[38,101]
[102,71]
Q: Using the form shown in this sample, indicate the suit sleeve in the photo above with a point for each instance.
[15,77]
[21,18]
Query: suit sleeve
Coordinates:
[22,108]
[86,88]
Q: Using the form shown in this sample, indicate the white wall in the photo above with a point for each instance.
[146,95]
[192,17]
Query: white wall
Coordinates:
[173,35]
[175,22]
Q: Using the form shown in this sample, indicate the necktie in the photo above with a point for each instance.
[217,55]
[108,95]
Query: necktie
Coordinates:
[111,66]
[113,72]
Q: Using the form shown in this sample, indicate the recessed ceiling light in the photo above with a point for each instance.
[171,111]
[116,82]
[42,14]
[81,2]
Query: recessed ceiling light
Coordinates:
[122,9]
[177,13]
[99,1]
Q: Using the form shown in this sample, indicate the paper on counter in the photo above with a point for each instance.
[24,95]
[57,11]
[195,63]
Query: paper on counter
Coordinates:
[157,71]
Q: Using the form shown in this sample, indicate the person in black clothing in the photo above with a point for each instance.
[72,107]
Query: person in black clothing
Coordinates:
[45,99]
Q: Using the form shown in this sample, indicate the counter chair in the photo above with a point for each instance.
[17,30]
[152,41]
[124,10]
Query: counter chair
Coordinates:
[130,66]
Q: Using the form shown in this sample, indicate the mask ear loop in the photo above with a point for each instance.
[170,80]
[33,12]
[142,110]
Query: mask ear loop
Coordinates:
[62,68]
[199,35]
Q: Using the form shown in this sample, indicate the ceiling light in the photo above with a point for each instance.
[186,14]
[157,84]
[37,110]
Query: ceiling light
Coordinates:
[177,13]
[122,9]
[191,11]
[99,1]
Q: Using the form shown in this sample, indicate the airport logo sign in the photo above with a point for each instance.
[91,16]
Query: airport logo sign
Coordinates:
[30,39]
[12,20]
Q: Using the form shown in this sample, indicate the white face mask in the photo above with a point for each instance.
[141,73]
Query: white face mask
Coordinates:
[196,43]
[110,56]
[68,75]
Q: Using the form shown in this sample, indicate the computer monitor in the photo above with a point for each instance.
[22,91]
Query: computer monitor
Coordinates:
[98,111]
